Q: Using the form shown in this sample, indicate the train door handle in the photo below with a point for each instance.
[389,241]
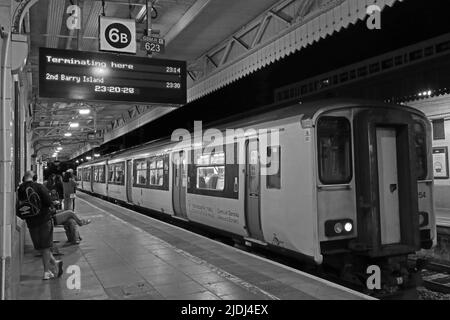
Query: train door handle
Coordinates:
[393,187]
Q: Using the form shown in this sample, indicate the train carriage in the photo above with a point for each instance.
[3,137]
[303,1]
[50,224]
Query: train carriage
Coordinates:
[345,182]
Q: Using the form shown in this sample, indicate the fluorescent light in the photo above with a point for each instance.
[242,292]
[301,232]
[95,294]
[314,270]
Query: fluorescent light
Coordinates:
[59,148]
[88,158]
[84,111]
[96,155]
[74,125]
[67,134]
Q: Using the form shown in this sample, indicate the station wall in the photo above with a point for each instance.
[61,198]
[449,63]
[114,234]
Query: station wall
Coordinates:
[437,109]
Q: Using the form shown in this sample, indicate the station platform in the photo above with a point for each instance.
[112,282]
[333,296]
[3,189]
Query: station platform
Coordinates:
[126,255]
[442,217]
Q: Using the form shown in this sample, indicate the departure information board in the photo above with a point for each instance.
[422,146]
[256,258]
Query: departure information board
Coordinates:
[98,76]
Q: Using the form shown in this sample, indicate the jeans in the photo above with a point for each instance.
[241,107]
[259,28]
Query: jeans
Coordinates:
[71,229]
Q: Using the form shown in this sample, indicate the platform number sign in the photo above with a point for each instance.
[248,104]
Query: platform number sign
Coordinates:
[153,44]
[117,35]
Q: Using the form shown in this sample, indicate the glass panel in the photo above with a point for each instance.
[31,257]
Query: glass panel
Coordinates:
[421,150]
[141,177]
[334,150]
[211,178]
[209,159]
[119,174]
[101,174]
[438,129]
[274,163]
[111,173]
[160,177]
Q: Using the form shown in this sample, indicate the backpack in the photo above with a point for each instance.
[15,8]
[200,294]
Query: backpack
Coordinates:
[31,206]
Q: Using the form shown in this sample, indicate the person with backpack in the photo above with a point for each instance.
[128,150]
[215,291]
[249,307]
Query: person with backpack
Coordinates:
[35,207]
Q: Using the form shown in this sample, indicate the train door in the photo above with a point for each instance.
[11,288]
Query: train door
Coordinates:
[129,180]
[253,190]
[386,181]
[179,184]
[388,185]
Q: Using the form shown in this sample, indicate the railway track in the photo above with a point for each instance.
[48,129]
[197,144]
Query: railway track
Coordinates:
[436,277]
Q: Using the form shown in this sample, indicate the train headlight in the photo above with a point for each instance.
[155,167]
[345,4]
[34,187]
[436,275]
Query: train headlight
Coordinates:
[338,228]
[423,219]
[342,227]
[348,226]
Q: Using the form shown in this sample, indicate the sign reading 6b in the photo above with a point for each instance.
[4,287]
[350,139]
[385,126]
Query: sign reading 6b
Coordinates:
[118,35]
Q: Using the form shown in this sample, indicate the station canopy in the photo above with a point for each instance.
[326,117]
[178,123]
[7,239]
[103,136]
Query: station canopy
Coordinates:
[220,42]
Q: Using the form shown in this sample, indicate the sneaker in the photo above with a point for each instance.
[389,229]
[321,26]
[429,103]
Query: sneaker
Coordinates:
[48,275]
[59,265]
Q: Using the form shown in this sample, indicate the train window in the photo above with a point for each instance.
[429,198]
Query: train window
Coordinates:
[157,172]
[87,174]
[101,174]
[119,174]
[211,171]
[273,167]
[438,129]
[141,172]
[111,173]
[334,150]
[421,150]
[95,174]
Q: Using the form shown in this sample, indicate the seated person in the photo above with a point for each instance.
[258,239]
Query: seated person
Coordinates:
[70,221]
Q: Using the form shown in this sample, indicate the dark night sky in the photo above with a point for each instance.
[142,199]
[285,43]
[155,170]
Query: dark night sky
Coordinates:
[406,23]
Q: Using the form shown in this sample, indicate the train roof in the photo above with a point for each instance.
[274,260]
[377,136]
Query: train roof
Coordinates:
[267,113]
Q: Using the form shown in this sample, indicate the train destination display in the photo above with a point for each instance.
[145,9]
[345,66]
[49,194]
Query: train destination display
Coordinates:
[97,76]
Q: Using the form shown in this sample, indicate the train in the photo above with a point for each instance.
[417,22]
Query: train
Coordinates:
[342,183]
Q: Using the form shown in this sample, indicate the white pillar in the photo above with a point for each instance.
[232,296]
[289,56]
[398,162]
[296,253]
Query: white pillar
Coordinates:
[6,138]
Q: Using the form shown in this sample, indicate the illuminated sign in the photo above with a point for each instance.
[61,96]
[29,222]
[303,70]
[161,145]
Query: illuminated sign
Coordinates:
[97,76]
[440,163]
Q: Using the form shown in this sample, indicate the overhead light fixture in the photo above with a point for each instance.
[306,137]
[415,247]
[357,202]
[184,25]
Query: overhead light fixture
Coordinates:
[59,148]
[97,155]
[84,111]
[77,161]
[67,134]
[88,158]
[74,124]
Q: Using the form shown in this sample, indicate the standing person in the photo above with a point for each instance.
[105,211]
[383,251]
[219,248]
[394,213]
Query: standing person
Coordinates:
[74,184]
[69,186]
[41,226]
[50,184]
[59,188]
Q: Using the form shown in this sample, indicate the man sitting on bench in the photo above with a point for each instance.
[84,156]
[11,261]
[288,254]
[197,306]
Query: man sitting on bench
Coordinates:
[70,221]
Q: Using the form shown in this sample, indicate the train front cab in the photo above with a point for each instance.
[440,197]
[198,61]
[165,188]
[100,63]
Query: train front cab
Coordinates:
[375,196]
